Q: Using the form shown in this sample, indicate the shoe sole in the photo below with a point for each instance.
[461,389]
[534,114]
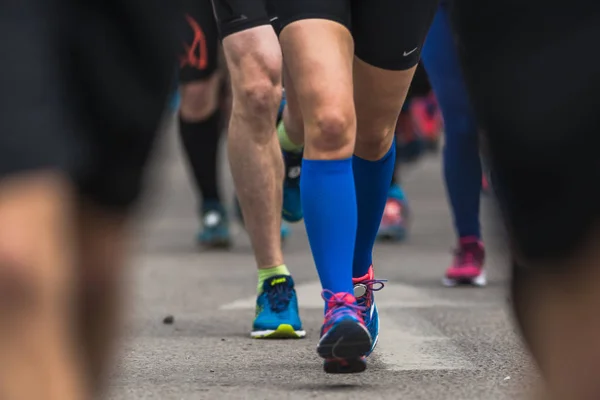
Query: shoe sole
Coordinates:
[290,217]
[283,331]
[375,338]
[344,348]
[347,366]
[478,281]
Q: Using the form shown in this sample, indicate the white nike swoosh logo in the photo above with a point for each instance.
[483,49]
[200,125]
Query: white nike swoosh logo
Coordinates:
[239,19]
[407,53]
[273,19]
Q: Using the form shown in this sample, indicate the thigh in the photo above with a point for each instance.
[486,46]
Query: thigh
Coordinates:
[389,34]
[318,58]
[199,54]
[250,45]
[539,110]
[318,55]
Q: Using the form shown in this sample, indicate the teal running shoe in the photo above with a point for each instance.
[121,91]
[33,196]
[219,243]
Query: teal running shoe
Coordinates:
[215,226]
[292,204]
[277,315]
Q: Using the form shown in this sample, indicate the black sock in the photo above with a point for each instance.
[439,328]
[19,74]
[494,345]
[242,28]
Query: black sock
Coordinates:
[201,144]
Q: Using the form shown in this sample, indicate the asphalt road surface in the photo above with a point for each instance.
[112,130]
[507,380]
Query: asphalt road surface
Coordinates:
[436,343]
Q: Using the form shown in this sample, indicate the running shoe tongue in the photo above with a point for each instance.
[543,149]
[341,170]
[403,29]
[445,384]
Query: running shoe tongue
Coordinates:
[277,280]
[340,299]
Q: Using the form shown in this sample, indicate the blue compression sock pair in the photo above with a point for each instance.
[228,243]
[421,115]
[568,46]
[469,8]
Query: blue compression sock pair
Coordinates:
[343,201]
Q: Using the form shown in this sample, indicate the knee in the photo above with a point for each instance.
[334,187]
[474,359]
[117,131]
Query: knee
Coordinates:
[199,99]
[256,85]
[260,98]
[330,134]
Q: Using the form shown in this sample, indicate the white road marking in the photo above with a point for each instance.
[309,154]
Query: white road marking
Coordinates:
[395,295]
[407,341]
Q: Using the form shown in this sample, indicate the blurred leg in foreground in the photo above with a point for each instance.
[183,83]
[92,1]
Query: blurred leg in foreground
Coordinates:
[77,122]
[535,85]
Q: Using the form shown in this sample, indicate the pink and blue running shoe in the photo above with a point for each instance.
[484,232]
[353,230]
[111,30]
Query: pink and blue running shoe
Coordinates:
[345,340]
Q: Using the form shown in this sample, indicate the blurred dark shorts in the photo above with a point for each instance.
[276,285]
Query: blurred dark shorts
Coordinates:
[533,71]
[199,41]
[83,87]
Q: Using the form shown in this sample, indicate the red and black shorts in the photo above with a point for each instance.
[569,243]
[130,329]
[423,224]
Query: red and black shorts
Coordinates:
[199,37]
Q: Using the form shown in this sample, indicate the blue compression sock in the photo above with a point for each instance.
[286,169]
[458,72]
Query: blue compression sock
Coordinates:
[329,202]
[462,163]
[372,180]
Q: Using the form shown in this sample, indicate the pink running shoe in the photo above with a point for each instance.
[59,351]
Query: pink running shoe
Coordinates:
[467,266]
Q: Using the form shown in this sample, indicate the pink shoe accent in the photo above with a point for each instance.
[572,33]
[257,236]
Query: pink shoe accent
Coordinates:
[468,261]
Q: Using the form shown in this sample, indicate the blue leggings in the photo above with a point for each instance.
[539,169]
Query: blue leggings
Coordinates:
[462,163]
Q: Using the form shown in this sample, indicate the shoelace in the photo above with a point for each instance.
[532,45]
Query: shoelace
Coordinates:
[340,306]
[371,285]
[279,297]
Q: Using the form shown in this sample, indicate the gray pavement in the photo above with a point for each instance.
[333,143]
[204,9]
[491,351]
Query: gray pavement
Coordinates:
[436,343]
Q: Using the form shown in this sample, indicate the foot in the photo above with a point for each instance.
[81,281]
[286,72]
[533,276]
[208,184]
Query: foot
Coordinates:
[467,266]
[345,340]
[292,205]
[364,289]
[215,226]
[277,315]
[394,223]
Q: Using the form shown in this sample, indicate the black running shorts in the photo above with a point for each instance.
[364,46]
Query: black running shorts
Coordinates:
[199,54]
[239,15]
[534,76]
[83,85]
[388,34]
